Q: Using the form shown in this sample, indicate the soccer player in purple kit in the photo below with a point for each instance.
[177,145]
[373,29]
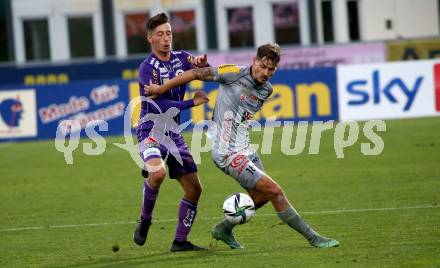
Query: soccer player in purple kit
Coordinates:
[161,65]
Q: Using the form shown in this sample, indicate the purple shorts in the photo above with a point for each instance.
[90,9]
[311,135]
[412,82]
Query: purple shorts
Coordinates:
[174,152]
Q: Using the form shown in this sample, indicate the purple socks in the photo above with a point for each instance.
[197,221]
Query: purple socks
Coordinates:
[187,214]
[150,196]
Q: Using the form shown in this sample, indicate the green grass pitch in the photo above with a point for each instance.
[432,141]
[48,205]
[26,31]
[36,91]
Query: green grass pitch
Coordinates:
[385,210]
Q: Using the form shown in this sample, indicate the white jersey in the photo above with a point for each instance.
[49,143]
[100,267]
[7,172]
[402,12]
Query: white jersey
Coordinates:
[239,98]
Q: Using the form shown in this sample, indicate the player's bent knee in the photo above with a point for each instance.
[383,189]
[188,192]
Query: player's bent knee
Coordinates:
[195,191]
[157,177]
[274,192]
[198,189]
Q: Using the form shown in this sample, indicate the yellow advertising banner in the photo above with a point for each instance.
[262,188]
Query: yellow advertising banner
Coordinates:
[413,49]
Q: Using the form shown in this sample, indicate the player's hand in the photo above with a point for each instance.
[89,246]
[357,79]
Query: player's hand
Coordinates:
[152,89]
[200,61]
[200,98]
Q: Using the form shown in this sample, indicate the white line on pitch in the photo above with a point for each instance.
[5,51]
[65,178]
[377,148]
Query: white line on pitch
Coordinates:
[359,210]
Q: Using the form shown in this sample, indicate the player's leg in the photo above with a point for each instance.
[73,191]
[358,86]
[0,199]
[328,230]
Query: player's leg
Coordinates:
[186,175]
[259,199]
[268,187]
[156,173]
[187,212]
[192,189]
[150,192]
[246,169]
[223,230]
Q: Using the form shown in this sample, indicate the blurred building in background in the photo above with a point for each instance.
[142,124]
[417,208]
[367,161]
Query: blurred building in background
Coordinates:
[65,30]
[66,63]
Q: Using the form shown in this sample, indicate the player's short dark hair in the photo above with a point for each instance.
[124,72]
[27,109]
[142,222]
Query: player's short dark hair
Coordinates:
[269,51]
[155,21]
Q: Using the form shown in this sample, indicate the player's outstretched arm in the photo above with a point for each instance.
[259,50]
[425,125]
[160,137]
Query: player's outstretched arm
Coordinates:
[205,74]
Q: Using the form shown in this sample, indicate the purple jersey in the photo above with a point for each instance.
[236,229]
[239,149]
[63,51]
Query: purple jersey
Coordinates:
[158,72]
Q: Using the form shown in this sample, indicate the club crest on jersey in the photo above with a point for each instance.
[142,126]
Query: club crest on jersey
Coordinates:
[190,59]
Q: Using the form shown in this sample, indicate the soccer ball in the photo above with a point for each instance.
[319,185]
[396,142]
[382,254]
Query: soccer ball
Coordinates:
[238,208]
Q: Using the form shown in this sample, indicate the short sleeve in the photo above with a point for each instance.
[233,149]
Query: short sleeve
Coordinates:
[226,73]
[148,73]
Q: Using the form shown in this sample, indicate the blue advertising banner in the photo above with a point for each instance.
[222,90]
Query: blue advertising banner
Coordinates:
[82,102]
[36,112]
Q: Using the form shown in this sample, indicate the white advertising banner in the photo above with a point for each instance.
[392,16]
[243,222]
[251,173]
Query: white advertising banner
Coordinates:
[389,90]
[18,114]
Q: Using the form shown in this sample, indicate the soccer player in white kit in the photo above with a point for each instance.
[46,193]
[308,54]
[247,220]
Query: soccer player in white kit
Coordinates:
[242,92]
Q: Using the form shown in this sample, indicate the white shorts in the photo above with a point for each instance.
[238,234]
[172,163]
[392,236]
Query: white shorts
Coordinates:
[244,167]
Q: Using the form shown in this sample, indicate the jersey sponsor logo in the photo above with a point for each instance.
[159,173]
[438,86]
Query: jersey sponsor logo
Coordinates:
[155,77]
[177,65]
[253,101]
[253,97]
